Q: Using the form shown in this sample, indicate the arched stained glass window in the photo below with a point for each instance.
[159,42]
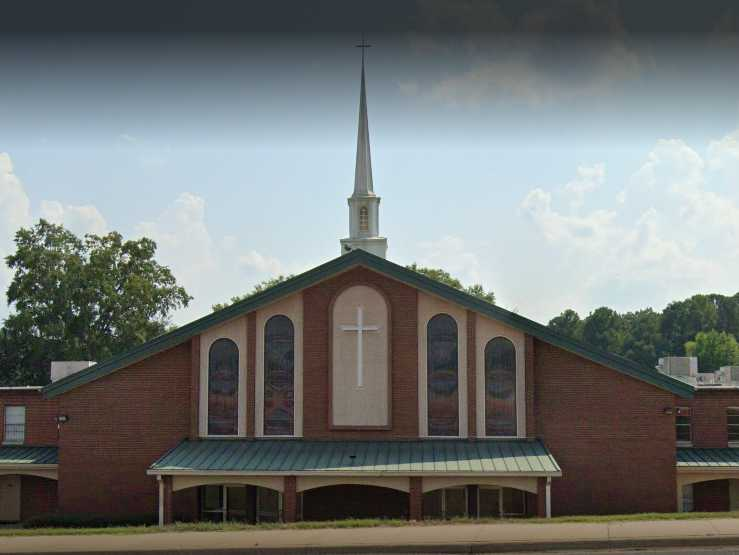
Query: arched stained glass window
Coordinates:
[363,219]
[500,388]
[223,388]
[442,376]
[279,371]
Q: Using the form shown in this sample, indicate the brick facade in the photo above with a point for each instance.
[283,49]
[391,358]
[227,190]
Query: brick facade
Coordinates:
[41,426]
[608,432]
[711,496]
[118,425]
[38,497]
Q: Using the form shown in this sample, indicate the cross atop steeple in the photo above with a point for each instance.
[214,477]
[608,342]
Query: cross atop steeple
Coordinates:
[364,205]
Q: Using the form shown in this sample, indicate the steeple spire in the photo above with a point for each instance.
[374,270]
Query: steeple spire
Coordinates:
[364,205]
[363,169]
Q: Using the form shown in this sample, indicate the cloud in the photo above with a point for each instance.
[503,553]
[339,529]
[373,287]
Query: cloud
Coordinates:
[78,219]
[453,255]
[669,234]
[212,269]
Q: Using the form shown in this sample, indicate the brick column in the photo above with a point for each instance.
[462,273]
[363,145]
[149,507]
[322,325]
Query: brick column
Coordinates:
[195,387]
[290,500]
[415,499]
[541,497]
[165,504]
[529,378]
[471,374]
[251,372]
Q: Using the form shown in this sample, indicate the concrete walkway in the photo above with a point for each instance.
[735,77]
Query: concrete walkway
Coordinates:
[451,538]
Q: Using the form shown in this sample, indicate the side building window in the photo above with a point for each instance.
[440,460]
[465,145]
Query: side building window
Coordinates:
[683,428]
[223,388]
[15,425]
[279,374]
[442,376]
[732,424]
[500,388]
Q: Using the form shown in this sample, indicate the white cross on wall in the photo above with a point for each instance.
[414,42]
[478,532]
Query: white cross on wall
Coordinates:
[360,328]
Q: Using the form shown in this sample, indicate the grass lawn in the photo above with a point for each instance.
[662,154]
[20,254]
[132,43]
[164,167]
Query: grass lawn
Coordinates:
[351,523]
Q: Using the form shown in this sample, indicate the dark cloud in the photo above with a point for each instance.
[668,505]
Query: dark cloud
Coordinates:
[330,16]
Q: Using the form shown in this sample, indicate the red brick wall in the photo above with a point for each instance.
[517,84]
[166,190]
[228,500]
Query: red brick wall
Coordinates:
[609,434]
[118,425]
[711,496]
[471,374]
[709,415]
[38,496]
[41,427]
[404,348]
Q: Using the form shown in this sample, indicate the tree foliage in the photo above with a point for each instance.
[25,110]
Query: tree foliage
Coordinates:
[258,288]
[714,349]
[445,277]
[645,335]
[81,299]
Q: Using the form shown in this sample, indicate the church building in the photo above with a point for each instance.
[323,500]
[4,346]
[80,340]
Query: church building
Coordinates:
[361,388]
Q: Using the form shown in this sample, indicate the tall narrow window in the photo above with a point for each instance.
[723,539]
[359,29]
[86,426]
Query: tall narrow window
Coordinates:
[223,388]
[279,370]
[500,388]
[732,424]
[683,431]
[363,219]
[442,376]
[15,425]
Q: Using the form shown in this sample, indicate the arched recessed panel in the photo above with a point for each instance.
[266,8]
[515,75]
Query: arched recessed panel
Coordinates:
[360,373]
[279,376]
[500,388]
[442,344]
[223,388]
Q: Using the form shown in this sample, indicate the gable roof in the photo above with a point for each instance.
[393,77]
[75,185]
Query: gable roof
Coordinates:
[343,263]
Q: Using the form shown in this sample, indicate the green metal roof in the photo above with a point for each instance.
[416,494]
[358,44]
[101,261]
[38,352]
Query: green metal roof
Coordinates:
[703,459]
[14,455]
[341,264]
[292,456]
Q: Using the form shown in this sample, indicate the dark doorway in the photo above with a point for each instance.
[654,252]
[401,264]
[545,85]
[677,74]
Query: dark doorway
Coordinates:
[342,502]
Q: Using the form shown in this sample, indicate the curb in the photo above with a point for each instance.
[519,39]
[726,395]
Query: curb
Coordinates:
[482,547]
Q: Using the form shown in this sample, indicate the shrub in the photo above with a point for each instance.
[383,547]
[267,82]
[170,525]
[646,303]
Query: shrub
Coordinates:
[83,521]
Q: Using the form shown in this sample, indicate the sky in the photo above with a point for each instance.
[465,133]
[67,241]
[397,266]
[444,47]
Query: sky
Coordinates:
[564,155]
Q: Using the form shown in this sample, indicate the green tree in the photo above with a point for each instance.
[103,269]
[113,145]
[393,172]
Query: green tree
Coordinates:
[476,290]
[643,336]
[604,328]
[568,323]
[258,288]
[682,320]
[81,299]
[713,349]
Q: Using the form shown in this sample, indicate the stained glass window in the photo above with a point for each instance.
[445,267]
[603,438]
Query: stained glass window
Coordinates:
[279,372]
[223,388]
[500,388]
[442,376]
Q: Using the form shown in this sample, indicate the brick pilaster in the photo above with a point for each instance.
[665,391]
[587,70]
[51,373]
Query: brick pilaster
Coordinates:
[471,374]
[530,385]
[415,499]
[251,372]
[167,492]
[290,500]
[194,387]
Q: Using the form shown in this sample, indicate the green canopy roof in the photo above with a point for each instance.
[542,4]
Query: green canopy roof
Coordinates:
[420,457]
[698,459]
[15,455]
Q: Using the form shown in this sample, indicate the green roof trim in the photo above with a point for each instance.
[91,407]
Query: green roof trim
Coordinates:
[691,458]
[520,457]
[341,264]
[20,455]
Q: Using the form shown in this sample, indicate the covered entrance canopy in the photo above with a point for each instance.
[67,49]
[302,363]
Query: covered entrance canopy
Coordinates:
[696,465]
[32,461]
[291,466]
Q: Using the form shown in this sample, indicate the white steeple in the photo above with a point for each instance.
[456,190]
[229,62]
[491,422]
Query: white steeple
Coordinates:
[364,205]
